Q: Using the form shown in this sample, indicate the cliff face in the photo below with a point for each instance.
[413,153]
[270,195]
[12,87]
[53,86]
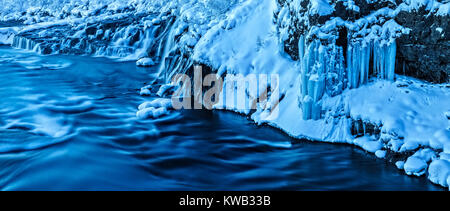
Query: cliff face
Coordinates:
[422,47]
[425,52]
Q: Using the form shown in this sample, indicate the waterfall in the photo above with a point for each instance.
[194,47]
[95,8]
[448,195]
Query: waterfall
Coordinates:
[27,44]
[169,44]
[144,45]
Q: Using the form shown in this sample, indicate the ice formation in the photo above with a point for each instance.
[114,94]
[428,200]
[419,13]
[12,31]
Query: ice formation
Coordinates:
[321,63]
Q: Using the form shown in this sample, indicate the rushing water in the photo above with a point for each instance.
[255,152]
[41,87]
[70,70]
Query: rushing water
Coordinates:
[68,122]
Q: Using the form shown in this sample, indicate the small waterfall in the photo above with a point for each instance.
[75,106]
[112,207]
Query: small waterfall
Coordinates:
[169,44]
[144,45]
[27,44]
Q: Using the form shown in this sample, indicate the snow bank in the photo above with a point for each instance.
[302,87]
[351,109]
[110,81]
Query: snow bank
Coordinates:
[7,35]
[439,172]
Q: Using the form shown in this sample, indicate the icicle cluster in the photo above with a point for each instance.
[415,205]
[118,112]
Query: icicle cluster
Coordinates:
[384,60]
[359,57]
[323,70]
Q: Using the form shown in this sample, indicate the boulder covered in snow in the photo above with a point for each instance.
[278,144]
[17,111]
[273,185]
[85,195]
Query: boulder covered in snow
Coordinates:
[415,166]
[145,62]
[439,172]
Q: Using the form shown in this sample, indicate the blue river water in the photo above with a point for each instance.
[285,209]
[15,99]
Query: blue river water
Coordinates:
[68,123]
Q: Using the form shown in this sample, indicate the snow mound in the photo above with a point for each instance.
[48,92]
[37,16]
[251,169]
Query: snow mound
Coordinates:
[368,144]
[439,172]
[145,62]
[7,35]
[154,109]
[415,166]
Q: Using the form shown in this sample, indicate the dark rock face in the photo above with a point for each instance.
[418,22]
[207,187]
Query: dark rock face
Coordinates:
[424,53]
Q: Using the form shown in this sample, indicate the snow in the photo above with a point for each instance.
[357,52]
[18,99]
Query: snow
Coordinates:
[400,165]
[380,154]
[415,166]
[320,7]
[368,144]
[444,156]
[439,172]
[145,62]
[154,109]
[151,113]
[7,35]
[159,102]
[426,155]
[145,92]
[444,10]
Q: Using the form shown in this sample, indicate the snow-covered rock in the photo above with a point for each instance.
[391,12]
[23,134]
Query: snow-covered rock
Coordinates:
[439,172]
[368,144]
[415,166]
[145,62]
[380,154]
[7,35]
[400,164]
[154,109]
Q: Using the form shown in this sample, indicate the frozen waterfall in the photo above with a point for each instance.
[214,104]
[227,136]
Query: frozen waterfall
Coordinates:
[323,70]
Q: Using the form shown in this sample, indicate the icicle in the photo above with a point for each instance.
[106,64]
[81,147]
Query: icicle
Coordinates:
[313,68]
[384,60]
[307,107]
[349,65]
[390,67]
[301,47]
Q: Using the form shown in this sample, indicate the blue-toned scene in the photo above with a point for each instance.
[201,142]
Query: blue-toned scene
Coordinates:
[225,95]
